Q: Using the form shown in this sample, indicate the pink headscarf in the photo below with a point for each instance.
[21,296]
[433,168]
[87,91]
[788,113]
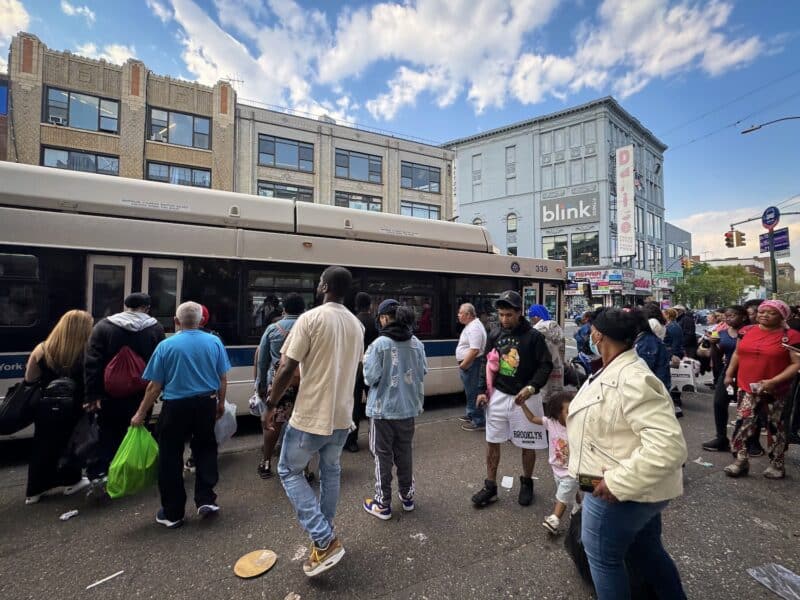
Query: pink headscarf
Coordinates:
[778,305]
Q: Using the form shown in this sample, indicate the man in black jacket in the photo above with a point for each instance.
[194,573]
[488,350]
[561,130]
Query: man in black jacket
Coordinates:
[524,368]
[140,332]
[364,314]
[686,321]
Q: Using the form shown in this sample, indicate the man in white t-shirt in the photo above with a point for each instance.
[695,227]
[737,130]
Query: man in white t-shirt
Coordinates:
[468,352]
[327,344]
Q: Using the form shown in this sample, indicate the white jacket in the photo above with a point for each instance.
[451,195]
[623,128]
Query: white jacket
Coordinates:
[622,426]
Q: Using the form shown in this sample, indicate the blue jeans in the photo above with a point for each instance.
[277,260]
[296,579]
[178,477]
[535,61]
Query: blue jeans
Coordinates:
[469,379]
[612,533]
[315,516]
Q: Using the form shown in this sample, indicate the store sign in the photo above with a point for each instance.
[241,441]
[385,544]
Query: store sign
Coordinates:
[626,230]
[572,210]
[603,281]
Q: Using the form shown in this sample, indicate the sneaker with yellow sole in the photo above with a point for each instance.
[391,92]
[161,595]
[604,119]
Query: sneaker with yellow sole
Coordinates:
[322,559]
[377,510]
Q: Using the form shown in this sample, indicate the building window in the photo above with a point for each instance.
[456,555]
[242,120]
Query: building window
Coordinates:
[589,132]
[285,154]
[178,175]
[561,175]
[585,249]
[554,247]
[575,172]
[359,201]
[418,209]
[641,257]
[477,192]
[80,161]
[671,250]
[640,223]
[180,129]
[511,251]
[547,142]
[420,177]
[359,166]
[511,222]
[547,178]
[270,189]
[81,111]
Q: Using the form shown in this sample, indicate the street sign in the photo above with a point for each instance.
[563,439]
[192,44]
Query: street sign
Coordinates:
[780,237]
[668,275]
[783,254]
[771,217]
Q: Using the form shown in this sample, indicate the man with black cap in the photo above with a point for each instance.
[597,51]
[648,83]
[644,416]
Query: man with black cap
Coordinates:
[126,339]
[524,368]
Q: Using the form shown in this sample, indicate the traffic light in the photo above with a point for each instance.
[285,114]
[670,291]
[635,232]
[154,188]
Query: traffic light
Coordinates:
[729,242]
[688,264]
[740,241]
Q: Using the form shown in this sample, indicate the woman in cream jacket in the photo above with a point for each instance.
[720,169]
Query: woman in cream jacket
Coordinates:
[626,446]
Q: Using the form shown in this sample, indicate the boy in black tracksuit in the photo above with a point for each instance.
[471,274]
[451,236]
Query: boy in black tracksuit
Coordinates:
[524,368]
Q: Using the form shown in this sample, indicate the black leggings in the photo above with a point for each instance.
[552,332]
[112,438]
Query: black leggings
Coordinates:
[721,401]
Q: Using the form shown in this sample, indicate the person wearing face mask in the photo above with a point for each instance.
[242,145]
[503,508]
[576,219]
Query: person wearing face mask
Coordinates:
[626,451]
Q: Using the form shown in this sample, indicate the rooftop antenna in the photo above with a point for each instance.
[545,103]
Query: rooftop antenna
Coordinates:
[235,81]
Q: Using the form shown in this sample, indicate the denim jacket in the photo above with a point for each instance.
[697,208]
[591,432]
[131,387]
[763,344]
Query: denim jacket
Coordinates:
[656,355]
[269,349]
[394,372]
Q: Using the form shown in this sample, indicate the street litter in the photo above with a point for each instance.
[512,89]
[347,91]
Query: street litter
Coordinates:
[292,596]
[507,482]
[420,537]
[699,461]
[68,515]
[778,579]
[91,585]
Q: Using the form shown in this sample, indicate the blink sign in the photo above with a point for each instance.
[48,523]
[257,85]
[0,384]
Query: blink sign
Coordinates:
[572,210]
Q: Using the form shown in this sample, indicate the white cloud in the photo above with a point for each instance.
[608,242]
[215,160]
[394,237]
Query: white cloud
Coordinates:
[72,10]
[13,18]
[113,53]
[159,10]
[487,51]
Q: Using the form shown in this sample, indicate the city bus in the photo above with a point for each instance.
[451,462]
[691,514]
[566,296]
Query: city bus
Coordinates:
[79,240]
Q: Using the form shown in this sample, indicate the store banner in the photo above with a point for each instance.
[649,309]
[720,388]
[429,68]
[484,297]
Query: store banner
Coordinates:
[626,230]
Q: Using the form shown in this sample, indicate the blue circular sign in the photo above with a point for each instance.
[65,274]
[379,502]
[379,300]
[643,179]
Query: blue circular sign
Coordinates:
[515,267]
[771,217]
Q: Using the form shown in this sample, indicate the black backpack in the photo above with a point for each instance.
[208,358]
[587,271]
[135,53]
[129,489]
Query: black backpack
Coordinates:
[58,398]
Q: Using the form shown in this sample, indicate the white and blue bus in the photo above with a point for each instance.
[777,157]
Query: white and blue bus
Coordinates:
[79,240]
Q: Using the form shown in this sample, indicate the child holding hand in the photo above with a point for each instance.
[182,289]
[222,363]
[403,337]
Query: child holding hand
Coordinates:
[555,422]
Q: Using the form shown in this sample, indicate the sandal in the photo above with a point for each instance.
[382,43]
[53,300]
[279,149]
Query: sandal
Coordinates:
[739,468]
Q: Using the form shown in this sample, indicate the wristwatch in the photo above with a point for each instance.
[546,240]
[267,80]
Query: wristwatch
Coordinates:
[531,389]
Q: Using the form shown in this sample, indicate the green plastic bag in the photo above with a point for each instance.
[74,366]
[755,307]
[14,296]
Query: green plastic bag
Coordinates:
[135,465]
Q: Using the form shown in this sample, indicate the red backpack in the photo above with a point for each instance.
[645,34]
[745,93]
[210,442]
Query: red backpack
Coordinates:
[122,377]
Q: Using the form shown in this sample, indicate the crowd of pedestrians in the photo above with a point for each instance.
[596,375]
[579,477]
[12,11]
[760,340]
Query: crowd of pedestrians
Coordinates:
[614,445]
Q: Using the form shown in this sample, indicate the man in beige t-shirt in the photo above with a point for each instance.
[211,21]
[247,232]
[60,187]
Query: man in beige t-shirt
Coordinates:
[327,345]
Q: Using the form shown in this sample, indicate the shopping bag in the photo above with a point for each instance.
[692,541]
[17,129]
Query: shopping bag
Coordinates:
[82,443]
[135,465]
[19,407]
[225,426]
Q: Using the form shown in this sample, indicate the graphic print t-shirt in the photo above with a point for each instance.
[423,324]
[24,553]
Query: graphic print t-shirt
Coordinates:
[508,348]
[559,448]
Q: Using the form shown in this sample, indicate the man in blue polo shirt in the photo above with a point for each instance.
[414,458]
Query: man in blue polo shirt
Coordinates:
[189,371]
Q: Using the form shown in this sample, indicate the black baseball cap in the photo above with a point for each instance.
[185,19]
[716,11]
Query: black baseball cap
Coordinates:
[387,305]
[137,300]
[509,299]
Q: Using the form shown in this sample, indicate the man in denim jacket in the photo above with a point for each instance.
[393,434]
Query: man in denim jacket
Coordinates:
[394,369]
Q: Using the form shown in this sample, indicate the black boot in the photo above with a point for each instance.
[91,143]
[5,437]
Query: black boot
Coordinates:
[718,444]
[487,495]
[525,490]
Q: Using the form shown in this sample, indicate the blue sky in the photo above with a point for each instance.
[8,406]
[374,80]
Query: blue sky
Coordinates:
[442,69]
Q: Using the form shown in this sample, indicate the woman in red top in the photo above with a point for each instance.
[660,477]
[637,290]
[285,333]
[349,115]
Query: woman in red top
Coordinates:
[764,370]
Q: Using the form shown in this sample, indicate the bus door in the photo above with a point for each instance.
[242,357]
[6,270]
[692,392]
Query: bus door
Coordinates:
[109,280]
[163,280]
[551,298]
[530,296]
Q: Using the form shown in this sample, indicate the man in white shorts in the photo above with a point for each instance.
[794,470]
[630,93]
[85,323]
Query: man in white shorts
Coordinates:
[524,368]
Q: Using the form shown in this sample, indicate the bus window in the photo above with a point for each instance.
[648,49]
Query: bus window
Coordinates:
[265,293]
[215,284]
[416,290]
[109,283]
[481,292]
[162,279]
[18,304]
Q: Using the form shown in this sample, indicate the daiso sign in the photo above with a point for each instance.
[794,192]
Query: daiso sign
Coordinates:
[570,210]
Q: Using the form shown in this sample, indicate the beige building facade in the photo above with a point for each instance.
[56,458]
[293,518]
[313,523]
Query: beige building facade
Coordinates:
[299,158]
[71,112]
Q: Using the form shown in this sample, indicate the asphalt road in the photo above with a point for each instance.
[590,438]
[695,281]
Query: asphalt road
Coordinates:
[445,549]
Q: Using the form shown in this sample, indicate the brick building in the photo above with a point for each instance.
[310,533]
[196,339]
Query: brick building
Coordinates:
[71,112]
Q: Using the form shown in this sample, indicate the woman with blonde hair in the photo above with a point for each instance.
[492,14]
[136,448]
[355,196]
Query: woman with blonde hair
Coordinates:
[59,357]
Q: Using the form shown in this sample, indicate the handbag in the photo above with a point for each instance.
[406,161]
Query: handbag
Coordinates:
[82,443]
[19,407]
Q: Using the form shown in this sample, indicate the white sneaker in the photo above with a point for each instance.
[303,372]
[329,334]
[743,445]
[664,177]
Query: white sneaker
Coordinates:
[207,510]
[33,499]
[551,523]
[82,484]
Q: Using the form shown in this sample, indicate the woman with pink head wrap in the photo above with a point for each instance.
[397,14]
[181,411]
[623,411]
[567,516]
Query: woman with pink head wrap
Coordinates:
[763,369]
